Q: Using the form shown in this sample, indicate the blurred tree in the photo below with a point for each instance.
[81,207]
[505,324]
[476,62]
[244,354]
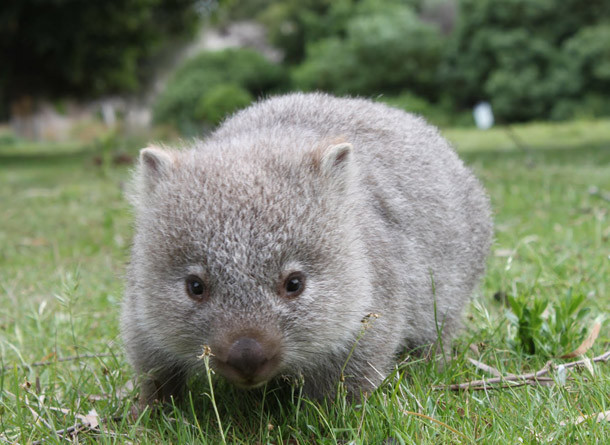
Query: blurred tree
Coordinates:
[51,48]
[205,81]
[294,24]
[386,48]
[532,59]
[222,100]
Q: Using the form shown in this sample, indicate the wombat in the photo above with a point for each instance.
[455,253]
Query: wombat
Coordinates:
[308,236]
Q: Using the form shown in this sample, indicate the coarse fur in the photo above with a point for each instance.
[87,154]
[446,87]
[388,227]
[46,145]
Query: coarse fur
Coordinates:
[369,202]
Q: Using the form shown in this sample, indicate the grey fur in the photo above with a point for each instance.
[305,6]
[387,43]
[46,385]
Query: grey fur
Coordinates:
[394,226]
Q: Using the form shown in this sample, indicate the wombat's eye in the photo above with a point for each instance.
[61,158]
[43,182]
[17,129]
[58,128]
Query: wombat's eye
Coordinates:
[293,285]
[195,288]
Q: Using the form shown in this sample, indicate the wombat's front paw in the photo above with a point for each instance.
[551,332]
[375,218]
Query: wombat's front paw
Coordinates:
[157,390]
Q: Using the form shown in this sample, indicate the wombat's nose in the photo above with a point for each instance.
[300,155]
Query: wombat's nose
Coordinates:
[246,356]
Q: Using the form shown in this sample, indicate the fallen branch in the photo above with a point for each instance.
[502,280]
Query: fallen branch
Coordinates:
[61,359]
[482,366]
[511,380]
[544,381]
[77,428]
[68,432]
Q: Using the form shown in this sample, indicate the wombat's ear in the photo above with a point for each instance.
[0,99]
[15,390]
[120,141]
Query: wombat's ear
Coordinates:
[155,163]
[153,167]
[335,158]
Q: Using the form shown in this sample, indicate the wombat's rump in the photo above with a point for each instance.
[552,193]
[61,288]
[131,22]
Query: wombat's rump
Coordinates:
[272,240]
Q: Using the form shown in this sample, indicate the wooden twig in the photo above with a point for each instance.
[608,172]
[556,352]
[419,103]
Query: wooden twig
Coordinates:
[77,428]
[482,366]
[67,432]
[512,380]
[60,359]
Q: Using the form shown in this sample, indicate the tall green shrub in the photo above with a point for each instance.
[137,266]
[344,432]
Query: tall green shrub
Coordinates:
[245,70]
[386,49]
[532,59]
[84,48]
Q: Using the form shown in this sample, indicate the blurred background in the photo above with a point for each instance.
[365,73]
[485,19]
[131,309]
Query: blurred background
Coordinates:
[75,70]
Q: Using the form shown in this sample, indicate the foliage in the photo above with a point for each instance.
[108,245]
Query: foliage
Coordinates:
[182,101]
[222,100]
[291,24]
[528,319]
[86,48]
[588,51]
[294,24]
[587,58]
[548,329]
[384,50]
[440,114]
[532,59]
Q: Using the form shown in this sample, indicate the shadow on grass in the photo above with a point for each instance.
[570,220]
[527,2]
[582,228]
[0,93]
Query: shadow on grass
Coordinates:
[572,155]
[46,158]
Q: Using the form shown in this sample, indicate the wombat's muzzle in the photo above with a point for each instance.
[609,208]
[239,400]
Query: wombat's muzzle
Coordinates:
[249,361]
[246,356]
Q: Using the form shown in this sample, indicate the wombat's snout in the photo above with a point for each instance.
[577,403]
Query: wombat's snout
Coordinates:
[249,360]
[247,357]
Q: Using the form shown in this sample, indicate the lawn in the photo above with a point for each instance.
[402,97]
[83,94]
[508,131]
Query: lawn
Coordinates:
[65,231]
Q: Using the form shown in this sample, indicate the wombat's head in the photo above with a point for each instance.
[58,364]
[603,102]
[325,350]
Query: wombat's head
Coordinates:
[255,252]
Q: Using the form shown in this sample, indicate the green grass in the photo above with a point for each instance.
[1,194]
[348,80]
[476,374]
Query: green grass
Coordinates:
[64,237]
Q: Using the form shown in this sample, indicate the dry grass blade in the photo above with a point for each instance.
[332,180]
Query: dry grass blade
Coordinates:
[413,413]
[587,343]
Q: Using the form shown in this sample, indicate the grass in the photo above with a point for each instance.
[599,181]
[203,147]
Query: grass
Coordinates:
[64,238]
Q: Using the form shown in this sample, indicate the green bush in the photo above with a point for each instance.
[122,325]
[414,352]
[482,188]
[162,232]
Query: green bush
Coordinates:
[384,50]
[587,59]
[440,114]
[550,328]
[293,24]
[532,59]
[525,83]
[180,104]
[59,48]
[222,100]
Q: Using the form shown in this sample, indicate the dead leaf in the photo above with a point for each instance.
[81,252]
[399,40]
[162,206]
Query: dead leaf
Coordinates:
[92,419]
[587,343]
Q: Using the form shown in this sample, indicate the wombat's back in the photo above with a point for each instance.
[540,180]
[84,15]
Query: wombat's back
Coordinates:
[427,220]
